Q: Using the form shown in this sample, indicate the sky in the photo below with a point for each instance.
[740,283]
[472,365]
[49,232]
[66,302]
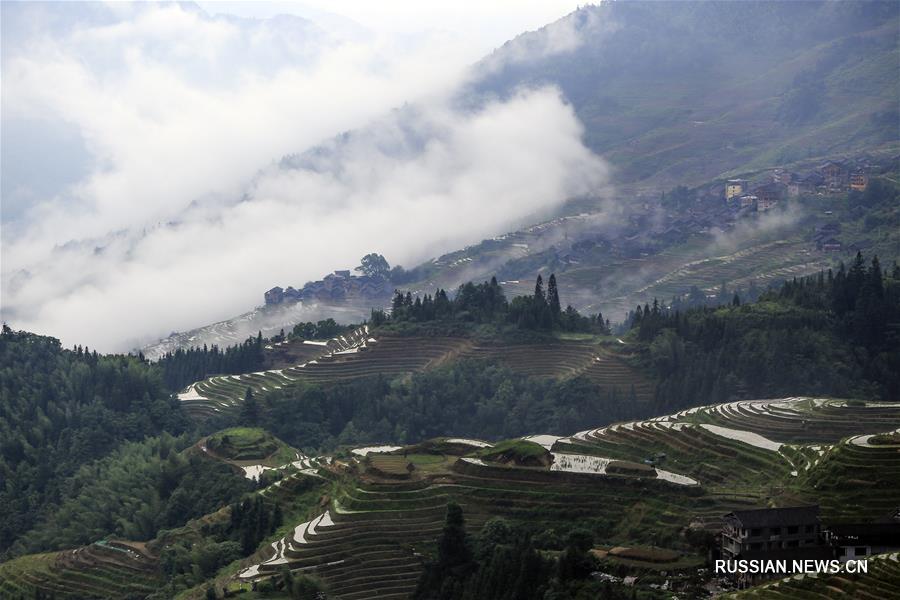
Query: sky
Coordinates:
[144,189]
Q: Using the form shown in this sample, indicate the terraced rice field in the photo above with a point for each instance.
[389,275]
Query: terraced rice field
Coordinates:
[882,581]
[707,461]
[803,449]
[224,392]
[362,554]
[100,570]
[361,356]
[369,542]
[390,465]
[854,482]
[640,483]
[803,420]
[673,273]
[761,263]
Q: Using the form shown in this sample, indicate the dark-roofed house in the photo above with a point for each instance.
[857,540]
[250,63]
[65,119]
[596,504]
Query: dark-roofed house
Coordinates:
[835,175]
[859,540]
[768,530]
[805,185]
[767,195]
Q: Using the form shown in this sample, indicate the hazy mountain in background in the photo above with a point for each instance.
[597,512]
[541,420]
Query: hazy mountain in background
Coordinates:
[685,91]
[670,93]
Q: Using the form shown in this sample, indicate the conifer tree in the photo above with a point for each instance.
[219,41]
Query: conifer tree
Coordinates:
[539,297]
[553,298]
[250,408]
[453,546]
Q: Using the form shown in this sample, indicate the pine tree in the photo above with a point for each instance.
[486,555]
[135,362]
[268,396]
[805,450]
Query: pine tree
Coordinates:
[397,303]
[453,546]
[539,297]
[553,298]
[277,518]
[250,408]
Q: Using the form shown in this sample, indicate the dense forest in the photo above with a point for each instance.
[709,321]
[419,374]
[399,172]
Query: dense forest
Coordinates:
[136,491]
[183,367]
[60,409]
[464,398]
[485,303]
[505,563]
[835,333]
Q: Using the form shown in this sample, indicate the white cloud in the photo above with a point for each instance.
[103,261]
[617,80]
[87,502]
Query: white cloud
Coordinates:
[559,37]
[181,222]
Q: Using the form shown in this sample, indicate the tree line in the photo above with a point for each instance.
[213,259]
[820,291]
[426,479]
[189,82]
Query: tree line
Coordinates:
[833,333]
[182,367]
[485,303]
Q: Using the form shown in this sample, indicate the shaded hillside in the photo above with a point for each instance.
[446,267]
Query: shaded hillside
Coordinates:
[687,91]
[61,409]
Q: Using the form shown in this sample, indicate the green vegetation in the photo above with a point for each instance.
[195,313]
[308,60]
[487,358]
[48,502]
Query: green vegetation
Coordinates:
[485,303]
[102,571]
[827,334]
[182,367]
[322,330]
[396,356]
[856,483]
[518,452]
[390,465]
[502,562]
[139,489]
[679,80]
[881,581]
[465,398]
[61,409]
[885,439]
[243,443]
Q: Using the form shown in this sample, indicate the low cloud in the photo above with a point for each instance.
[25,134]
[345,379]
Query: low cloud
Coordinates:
[184,219]
[560,37]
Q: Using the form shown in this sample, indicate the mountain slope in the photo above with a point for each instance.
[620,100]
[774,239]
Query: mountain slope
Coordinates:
[686,91]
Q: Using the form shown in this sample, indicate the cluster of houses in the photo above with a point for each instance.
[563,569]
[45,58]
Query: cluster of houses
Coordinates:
[831,177]
[797,533]
[334,287]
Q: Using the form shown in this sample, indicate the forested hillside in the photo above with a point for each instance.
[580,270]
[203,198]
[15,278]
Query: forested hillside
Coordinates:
[60,409]
[470,398]
[836,333]
[140,489]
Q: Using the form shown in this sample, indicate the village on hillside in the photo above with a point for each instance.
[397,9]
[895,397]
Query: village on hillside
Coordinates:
[651,223]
